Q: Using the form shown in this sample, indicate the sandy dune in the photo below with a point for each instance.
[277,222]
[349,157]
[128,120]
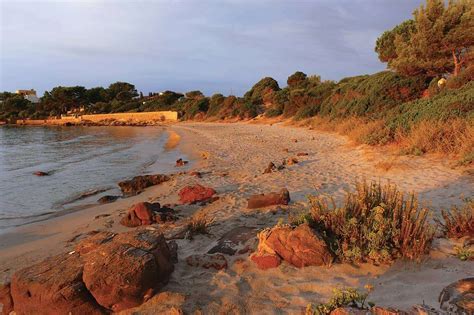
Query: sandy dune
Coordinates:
[236,155]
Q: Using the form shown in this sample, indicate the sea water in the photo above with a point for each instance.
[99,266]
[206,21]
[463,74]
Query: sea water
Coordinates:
[84,163]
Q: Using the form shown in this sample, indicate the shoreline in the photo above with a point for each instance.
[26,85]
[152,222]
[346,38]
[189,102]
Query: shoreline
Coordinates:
[84,199]
[231,158]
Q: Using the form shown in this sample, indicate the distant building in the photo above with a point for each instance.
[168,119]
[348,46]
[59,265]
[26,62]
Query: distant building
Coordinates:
[29,95]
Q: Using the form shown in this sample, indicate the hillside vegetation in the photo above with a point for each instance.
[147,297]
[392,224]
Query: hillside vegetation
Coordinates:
[404,105]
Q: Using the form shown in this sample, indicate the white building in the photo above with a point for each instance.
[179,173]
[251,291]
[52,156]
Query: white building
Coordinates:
[29,95]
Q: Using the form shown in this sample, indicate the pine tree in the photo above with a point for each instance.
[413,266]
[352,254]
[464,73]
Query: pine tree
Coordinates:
[440,41]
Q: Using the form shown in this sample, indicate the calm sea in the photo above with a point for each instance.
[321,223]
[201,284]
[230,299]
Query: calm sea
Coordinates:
[85,163]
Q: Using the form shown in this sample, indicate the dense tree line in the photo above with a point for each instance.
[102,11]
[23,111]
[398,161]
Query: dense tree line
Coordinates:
[437,42]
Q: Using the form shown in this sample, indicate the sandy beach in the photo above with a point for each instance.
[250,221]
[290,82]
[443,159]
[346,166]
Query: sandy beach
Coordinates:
[231,159]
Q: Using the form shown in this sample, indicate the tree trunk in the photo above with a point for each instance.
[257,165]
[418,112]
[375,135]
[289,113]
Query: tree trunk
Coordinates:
[457,64]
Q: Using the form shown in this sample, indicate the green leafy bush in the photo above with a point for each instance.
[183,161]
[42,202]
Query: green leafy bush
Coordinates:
[372,95]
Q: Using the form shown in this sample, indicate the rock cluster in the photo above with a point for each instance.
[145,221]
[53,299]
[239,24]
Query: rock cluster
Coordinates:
[145,213]
[270,199]
[139,183]
[107,272]
[300,246]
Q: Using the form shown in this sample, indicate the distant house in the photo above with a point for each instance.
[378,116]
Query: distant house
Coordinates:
[29,95]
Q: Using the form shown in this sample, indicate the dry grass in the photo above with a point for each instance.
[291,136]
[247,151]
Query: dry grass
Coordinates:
[458,222]
[199,224]
[376,223]
[453,137]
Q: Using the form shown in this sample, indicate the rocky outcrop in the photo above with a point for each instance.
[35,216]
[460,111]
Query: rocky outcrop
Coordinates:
[216,261]
[458,297]
[145,213]
[126,271]
[139,183]
[195,193]
[300,246]
[54,286]
[270,199]
[6,302]
[106,272]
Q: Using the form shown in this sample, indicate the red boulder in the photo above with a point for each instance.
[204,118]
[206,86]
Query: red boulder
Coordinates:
[266,261]
[126,271]
[196,193]
[53,286]
[6,302]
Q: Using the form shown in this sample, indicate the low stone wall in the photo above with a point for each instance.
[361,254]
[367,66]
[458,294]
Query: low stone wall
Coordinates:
[126,117]
[143,116]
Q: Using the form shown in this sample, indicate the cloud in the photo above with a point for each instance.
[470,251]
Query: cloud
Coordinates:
[181,45]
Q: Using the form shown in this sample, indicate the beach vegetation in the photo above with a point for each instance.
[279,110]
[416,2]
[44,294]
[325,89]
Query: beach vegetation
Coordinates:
[342,297]
[199,224]
[458,221]
[376,223]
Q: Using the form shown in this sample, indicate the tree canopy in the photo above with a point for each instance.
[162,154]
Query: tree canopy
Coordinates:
[439,40]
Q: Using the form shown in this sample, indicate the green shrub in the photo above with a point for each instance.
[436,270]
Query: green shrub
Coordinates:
[372,95]
[273,112]
[375,224]
[464,77]
[257,93]
[448,104]
[215,104]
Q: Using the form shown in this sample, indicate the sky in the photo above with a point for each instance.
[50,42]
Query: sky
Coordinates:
[214,46]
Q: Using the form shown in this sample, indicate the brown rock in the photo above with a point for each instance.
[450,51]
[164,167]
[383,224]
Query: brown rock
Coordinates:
[458,297]
[300,246]
[196,193]
[270,199]
[180,162]
[266,261]
[130,220]
[107,199]
[302,154]
[195,174]
[173,248]
[53,286]
[6,302]
[40,173]
[93,242]
[348,311]
[207,261]
[229,242]
[270,168]
[377,310]
[145,213]
[291,161]
[138,183]
[163,303]
[126,271]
